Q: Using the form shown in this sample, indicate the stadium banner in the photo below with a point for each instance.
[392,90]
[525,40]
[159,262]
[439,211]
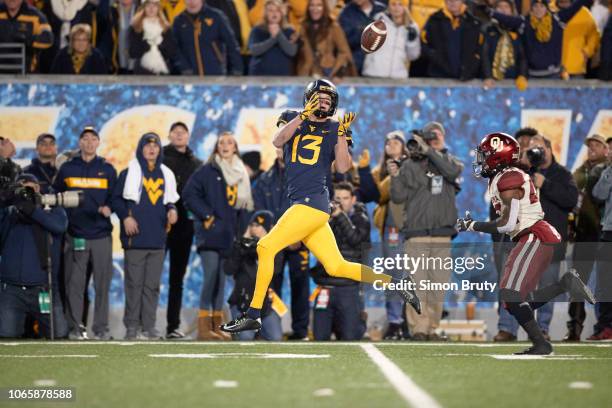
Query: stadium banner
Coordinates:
[122,112]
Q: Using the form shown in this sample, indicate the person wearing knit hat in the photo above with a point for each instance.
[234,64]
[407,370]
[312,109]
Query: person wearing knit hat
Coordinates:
[262,218]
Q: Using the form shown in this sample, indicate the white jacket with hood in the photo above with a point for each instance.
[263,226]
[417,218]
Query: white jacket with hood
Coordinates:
[391,60]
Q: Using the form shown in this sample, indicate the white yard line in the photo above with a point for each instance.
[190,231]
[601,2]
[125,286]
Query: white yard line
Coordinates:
[50,356]
[289,343]
[405,387]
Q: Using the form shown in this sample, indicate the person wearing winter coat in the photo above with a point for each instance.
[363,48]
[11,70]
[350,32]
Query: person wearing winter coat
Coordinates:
[215,194]
[402,45]
[152,44]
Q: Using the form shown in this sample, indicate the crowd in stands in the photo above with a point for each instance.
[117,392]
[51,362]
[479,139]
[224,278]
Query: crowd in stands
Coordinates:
[167,196]
[459,39]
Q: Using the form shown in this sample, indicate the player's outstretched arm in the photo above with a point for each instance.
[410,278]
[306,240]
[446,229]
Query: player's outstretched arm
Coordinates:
[287,131]
[504,224]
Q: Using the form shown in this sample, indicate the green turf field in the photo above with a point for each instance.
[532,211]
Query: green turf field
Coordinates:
[190,374]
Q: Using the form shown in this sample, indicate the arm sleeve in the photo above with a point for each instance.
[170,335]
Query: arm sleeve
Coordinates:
[194,198]
[602,188]
[449,167]
[43,36]
[137,46]
[288,47]
[112,180]
[367,186]
[563,193]
[400,184]
[257,45]
[54,221]
[592,39]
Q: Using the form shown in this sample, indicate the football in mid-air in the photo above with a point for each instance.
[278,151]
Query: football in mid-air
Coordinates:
[373,36]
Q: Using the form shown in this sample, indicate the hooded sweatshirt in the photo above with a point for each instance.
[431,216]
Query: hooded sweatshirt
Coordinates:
[150,212]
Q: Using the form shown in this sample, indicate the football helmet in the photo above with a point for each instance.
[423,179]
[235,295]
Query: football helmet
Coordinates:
[323,86]
[495,152]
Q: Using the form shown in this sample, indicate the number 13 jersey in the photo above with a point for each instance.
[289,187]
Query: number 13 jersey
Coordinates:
[308,156]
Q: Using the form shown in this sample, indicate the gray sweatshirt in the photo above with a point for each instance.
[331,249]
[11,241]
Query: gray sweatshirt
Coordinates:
[427,188]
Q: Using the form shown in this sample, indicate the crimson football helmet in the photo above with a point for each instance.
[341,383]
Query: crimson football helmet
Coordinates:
[495,152]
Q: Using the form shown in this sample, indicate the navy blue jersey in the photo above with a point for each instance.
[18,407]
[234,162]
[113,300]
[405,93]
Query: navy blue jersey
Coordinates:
[308,156]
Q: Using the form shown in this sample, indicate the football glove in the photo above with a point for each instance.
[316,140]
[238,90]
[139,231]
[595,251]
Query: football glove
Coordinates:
[344,125]
[311,106]
[465,224]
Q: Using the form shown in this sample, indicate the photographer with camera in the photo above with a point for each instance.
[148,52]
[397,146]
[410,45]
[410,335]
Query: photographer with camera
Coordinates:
[88,241]
[426,185]
[558,196]
[43,166]
[242,265]
[29,235]
[338,303]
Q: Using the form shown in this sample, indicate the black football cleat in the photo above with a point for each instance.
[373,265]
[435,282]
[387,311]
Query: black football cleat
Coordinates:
[242,323]
[576,288]
[540,349]
[410,296]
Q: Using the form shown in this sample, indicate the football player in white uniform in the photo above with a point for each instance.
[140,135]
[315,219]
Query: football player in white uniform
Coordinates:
[517,203]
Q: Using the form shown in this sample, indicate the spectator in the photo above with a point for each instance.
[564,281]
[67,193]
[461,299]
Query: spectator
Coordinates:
[580,40]
[272,43]
[216,46]
[324,50]
[143,199]
[121,14]
[603,191]
[242,265]
[558,195]
[183,163]
[426,184]
[542,34]
[388,219]
[43,166]
[88,241]
[338,305]
[237,13]
[172,8]
[24,279]
[586,228]
[79,57]
[355,16]
[270,193]
[605,64]
[421,10]
[63,15]
[24,24]
[214,194]
[360,177]
[503,50]
[152,45]
[452,43]
[402,45]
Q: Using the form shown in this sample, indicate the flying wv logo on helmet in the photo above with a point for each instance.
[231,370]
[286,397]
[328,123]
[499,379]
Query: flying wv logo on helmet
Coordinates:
[495,152]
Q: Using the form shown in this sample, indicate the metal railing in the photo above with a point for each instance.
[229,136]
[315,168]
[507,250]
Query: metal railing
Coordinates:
[12,58]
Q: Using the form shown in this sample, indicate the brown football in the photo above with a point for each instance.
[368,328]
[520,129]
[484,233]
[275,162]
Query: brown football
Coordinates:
[373,36]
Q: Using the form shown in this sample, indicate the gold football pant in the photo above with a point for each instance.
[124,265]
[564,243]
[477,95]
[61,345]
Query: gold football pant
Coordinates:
[309,225]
